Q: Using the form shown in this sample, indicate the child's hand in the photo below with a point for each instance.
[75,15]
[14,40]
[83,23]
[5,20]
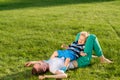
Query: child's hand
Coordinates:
[83,54]
[63,45]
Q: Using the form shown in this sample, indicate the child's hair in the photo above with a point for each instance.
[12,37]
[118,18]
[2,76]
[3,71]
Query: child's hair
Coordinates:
[85,34]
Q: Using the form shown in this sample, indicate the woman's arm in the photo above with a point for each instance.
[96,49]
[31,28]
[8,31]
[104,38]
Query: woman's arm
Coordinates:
[58,75]
[28,64]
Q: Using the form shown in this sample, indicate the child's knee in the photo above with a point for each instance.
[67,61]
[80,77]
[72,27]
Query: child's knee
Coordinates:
[55,53]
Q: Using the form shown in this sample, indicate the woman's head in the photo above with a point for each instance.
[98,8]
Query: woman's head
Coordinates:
[39,68]
[83,37]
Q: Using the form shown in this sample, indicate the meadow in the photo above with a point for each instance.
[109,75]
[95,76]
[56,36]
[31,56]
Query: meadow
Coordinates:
[34,29]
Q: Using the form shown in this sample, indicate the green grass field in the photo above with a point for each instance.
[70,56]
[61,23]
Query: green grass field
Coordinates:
[33,29]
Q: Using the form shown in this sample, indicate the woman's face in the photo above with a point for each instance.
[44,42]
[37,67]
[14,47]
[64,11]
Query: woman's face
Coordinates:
[40,68]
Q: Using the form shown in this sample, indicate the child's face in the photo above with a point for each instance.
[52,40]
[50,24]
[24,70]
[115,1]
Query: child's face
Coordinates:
[82,39]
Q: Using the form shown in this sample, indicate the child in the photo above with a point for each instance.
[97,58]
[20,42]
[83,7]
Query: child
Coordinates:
[73,51]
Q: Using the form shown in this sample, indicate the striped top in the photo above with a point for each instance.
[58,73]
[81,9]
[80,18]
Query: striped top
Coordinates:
[76,48]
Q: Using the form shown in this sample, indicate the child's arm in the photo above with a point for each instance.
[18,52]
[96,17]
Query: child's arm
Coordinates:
[64,46]
[82,53]
[58,76]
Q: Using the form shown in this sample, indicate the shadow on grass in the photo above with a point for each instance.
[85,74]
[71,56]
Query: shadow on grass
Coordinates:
[25,75]
[18,4]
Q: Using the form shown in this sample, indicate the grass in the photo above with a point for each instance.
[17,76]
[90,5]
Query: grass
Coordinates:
[33,29]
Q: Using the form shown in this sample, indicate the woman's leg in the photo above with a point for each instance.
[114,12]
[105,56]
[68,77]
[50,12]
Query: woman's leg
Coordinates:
[89,45]
[96,47]
[92,43]
[98,50]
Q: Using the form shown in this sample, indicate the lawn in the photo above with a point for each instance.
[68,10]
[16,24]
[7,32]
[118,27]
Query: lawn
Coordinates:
[33,29]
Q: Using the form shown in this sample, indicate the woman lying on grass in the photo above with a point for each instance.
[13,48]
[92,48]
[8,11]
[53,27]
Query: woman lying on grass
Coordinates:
[54,65]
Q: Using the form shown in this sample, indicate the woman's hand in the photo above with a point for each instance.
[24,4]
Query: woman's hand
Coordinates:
[28,64]
[41,77]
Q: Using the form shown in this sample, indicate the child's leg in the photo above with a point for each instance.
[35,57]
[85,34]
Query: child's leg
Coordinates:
[67,61]
[66,64]
[59,53]
[55,54]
